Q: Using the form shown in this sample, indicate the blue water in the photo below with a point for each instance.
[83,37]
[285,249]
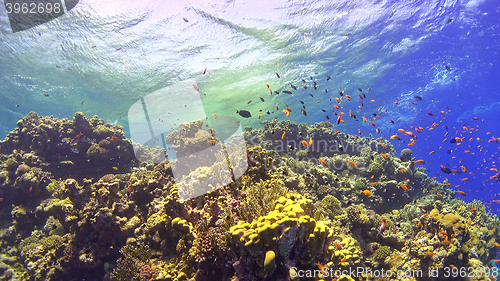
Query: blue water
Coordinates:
[100,58]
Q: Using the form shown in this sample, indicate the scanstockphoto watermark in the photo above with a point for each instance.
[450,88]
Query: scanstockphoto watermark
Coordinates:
[320,145]
[306,163]
[355,272]
[320,148]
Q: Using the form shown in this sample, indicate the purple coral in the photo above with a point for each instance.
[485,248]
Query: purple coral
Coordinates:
[234,203]
[146,272]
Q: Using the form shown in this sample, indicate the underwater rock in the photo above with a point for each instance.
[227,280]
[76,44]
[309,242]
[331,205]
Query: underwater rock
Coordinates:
[55,141]
[406,155]
[288,210]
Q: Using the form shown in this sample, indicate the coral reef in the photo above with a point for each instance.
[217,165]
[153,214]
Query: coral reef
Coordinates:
[76,202]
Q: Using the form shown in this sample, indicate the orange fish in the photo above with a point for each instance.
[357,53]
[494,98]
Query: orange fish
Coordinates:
[336,106]
[364,119]
[432,152]
[304,143]
[394,136]
[464,169]
[461,192]
[401,131]
[373,183]
[348,97]
[439,195]
[402,170]
[322,269]
[196,87]
[443,233]
[404,187]
[283,136]
[260,115]
[419,161]
[267,85]
[373,123]
[343,260]
[473,209]
[338,246]
[310,141]
[496,244]
[277,107]
[286,112]
[323,162]
[411,134]
[383,155]
[215,115]
[367,192]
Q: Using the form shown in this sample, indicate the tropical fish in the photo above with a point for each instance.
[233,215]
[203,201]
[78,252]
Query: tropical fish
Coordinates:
[244,113]
[367,192]
[445,169]
[323,162]
[382,225]
[339,118]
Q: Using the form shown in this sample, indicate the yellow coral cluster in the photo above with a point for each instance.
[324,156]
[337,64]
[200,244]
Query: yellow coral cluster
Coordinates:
[349,254]
[287,223]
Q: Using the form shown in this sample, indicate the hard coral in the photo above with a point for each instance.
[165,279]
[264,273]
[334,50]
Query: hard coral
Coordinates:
[406,155]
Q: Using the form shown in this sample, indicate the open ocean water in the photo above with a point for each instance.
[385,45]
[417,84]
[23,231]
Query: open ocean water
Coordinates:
[426,73]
